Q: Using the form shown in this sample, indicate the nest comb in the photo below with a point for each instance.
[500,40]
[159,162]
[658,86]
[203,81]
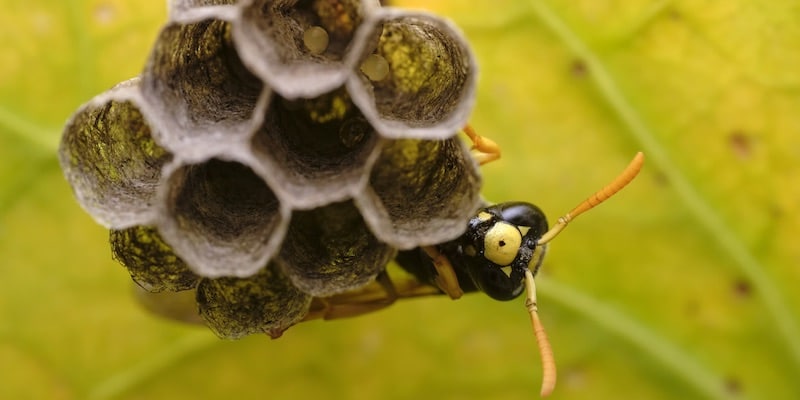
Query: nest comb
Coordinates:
[271,152]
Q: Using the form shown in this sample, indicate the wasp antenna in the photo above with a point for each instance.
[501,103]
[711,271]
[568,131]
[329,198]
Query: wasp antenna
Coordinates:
[624,178]
[545,351]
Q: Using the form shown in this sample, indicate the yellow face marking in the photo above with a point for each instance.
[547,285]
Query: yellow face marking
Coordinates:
[506,270]
[501,243]
[484,216]
[524,230]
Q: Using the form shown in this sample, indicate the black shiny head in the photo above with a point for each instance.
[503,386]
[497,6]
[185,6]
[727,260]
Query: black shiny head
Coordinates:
[500,244]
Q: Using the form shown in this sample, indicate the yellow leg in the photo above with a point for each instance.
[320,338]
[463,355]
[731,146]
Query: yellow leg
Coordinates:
[486,150]
[446,278]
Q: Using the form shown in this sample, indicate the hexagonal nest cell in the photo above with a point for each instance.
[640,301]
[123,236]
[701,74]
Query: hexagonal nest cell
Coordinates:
[150,261]
[318,149]
[420,191]
[197,83]
[426,79]
[274,152]
[299,47]
[330,250]
[109,155]
[264,303]
[222,218]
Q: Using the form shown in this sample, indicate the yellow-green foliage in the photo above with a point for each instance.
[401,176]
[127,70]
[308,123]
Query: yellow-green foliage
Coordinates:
[684,286]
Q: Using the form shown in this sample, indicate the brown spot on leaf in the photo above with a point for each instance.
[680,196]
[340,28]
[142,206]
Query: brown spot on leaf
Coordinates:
[733,385]
[675,14]
[661,179]
[742,288]
[579,68]
[741,144]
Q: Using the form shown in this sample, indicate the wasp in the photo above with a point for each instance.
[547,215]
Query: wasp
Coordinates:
[499,254]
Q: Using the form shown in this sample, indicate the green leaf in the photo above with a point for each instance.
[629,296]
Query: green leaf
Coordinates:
[679,287]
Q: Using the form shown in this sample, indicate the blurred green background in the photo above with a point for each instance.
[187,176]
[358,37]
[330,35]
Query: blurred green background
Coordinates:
[684,286]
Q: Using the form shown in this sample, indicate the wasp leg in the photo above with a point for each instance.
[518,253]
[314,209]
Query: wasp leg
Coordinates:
[446,276]
[486,150]
[380,294]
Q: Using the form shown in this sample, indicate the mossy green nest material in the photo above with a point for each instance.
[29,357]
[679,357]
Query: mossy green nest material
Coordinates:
[258,165]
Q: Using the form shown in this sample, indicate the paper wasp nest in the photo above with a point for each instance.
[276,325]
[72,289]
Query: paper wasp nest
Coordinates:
[276,151]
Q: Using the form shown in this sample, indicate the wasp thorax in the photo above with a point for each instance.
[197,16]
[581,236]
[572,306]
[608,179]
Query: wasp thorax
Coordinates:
[501,243]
